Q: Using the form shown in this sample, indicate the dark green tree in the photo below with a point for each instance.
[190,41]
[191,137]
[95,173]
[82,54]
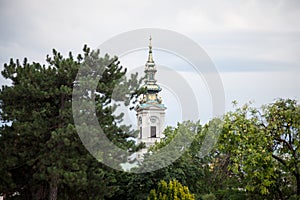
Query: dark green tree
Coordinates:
[191,169]
[42,157]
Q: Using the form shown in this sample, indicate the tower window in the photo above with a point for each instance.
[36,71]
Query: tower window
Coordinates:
[153,131]
[141,133]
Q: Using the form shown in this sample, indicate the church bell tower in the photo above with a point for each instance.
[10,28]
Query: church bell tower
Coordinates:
[150,110]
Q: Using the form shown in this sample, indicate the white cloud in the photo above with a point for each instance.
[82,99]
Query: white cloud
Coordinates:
[232,16]
[260,87]
[249,36]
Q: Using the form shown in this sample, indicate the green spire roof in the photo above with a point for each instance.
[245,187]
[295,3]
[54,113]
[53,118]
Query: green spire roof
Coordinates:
[150,82]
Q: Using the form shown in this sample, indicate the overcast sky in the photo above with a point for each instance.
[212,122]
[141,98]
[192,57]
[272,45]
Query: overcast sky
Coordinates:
[254,44]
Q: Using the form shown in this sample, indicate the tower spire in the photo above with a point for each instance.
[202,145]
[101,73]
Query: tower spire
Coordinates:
[150,82]
[150,110]
[150,57]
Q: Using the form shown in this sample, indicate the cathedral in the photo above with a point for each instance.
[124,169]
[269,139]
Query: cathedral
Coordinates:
[150,111]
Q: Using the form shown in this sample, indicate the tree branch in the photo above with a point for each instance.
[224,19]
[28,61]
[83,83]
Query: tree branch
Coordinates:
[285,142]
[279,159]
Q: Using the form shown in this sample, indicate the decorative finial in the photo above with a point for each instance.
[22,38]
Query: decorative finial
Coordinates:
[150,57]
[150,42]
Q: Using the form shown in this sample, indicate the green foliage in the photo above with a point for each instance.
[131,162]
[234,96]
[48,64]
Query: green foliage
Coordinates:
[256,157]
[208,197]
[184,130]
[170,191]
[41,154]
[263,147]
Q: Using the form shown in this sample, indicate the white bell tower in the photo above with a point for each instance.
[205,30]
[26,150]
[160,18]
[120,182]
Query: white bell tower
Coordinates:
[150,110]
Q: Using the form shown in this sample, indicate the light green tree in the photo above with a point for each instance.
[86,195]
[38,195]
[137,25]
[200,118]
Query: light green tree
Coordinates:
[170,191]
[263,145]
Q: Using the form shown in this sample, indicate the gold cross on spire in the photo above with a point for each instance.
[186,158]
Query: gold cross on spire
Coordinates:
[150,57]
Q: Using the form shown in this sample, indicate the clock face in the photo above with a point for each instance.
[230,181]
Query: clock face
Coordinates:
[153,119]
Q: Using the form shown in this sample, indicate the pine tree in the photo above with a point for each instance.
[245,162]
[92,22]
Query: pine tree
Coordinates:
[42,156]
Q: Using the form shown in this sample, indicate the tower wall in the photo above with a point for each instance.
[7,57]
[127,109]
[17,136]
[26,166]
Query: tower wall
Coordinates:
[150,118]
